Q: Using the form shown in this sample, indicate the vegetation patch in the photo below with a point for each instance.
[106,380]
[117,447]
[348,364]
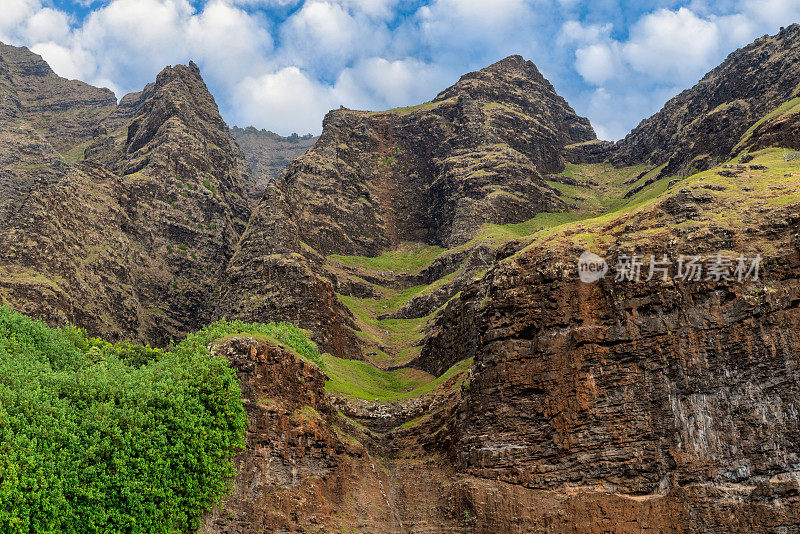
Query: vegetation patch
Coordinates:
[408,258]
[101,437]
[364,381]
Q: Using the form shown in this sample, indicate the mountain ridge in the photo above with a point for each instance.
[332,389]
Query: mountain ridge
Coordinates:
[469,378]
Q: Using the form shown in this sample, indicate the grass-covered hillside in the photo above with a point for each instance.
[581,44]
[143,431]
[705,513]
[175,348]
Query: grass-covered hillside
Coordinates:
[100,437]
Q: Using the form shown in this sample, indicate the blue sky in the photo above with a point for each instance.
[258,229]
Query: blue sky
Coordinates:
[281,64]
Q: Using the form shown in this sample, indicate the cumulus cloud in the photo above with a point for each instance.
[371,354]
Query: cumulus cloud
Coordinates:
[287,100]
[573,32]
[281,64]
[464,27]
[290,100]
[379,83]
[230,42]
[597,63]
[68,63]
[47,24]
[329,36]
[669,44]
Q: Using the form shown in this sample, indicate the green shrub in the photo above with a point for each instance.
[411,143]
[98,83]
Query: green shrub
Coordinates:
[96,437]
[288,334]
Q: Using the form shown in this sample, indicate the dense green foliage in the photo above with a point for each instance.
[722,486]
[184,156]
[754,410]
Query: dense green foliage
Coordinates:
[99,437]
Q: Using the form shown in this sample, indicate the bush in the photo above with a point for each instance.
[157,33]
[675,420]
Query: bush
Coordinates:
[100,437]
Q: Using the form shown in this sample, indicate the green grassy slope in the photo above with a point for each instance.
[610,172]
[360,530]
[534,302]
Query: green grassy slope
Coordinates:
[603,196]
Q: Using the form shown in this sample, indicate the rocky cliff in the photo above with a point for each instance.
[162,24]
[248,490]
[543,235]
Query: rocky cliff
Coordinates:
[678,396]
[702,125]
[268,153]
[117,218]
[433,173]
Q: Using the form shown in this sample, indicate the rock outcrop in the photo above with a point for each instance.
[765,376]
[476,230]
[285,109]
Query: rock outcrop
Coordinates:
[704,124]
[307,468]
[129,242]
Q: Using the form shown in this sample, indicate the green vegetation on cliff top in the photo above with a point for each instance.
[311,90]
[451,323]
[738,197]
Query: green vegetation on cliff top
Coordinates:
[100,437]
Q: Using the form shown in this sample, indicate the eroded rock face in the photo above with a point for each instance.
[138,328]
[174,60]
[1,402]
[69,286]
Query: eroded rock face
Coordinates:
[130,241]
[782,131]
[433,173]
[306,468]
[679,397]
[703,124]
[290,439]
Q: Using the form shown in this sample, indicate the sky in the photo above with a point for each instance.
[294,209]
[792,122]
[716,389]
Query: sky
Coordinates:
[282,64]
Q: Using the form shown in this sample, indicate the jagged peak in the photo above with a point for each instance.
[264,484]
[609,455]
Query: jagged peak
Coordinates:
[184,72]
[179,92]
[513,63]
[501,76]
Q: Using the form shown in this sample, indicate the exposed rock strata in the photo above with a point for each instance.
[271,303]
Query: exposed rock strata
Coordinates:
[130,242]
[702,125]
[678,395]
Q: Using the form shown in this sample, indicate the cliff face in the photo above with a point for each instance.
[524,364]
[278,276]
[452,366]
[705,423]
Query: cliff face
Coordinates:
[678,396]
[299,451]
[268,153]
[703,124]
[130,241]
[434,173]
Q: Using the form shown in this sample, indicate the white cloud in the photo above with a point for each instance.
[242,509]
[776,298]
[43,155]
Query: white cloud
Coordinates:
[322,36]
[230,42]
[47,24]
[773,13]
[68,63]
[597,63]
[15,12]
[667,44]
[476,13]
[287,101]
[573,31]
[379,83]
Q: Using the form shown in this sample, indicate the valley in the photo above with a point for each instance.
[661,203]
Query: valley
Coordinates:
[401,308]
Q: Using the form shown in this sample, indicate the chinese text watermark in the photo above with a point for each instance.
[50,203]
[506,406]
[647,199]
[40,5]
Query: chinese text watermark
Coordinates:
[635,268]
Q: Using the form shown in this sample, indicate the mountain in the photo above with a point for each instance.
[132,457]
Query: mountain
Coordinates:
[116,218]
[432,174]
[469,380]
[498,391]
[703,125]
[268,153]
